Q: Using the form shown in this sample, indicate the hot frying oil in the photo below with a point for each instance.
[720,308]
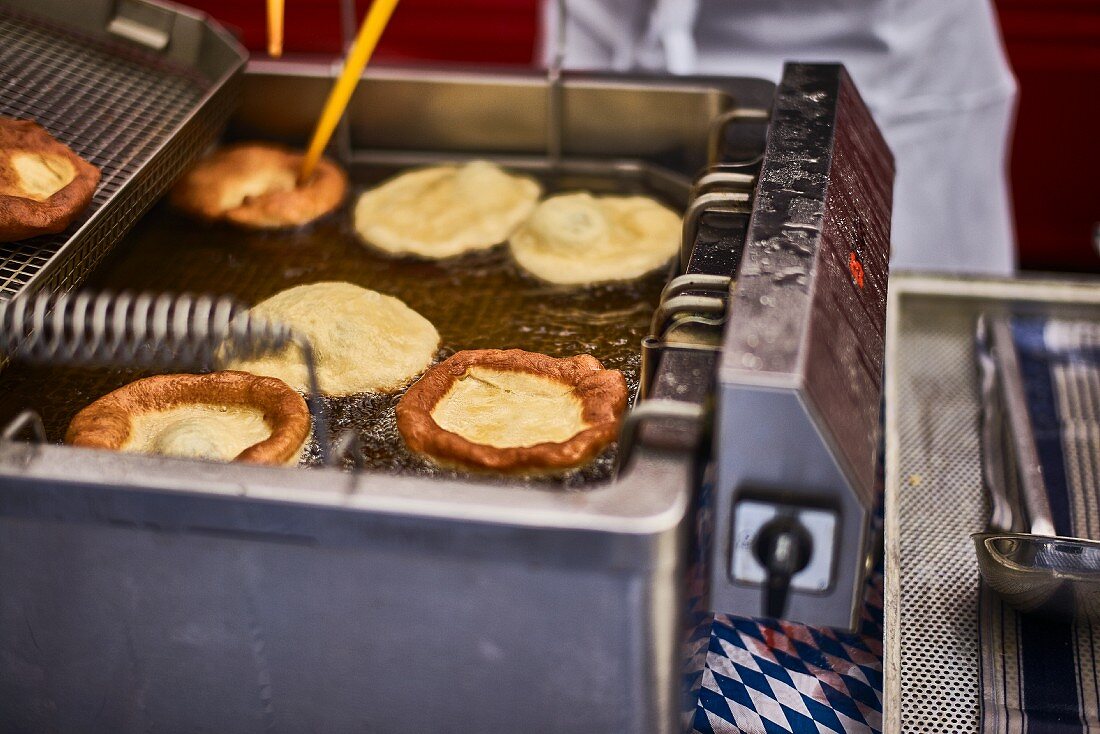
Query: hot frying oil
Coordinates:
[476,301]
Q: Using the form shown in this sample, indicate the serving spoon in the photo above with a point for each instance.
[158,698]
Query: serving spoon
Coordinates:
[1037,571]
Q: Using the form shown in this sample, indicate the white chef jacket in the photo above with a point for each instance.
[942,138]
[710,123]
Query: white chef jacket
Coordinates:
[932,71]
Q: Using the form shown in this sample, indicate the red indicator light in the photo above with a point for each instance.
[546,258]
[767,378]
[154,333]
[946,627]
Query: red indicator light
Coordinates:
[855,267]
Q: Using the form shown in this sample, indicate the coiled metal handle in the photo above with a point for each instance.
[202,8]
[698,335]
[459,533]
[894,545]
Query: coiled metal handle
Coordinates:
[145,330]
[139,330]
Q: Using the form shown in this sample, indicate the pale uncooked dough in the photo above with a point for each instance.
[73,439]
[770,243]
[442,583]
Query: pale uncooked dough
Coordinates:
[445,210]
[217,432]
[40,175]
[505,409]
[580,238]
[363,341]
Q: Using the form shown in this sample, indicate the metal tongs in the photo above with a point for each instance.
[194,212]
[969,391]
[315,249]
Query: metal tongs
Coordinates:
[1025,562]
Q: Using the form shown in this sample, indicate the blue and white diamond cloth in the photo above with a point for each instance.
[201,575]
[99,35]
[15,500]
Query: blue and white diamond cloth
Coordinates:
[768,676]
[762,676]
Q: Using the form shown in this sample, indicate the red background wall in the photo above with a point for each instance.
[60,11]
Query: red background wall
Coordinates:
[1054,47]
[474,31]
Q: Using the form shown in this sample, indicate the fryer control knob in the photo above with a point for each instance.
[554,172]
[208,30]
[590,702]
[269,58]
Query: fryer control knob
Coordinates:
[783,550]
[783,547]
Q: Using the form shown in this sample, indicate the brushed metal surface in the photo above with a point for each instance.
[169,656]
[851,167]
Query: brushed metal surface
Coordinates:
[407,109]
[336,603]
[812,291]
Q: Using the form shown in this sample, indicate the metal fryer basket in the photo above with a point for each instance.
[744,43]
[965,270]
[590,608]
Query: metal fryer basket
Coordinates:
[142,115]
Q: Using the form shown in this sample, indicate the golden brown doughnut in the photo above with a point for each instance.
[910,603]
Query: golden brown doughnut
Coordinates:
[513,411]
[254,185]
[44,186]
[167,413]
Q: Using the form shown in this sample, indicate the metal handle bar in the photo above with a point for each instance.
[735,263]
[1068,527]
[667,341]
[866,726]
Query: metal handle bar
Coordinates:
[729,202]
[718,126]
[647,410]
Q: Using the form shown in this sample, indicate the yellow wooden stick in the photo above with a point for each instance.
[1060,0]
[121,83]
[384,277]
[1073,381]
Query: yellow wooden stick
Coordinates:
[369,33]
[275,27]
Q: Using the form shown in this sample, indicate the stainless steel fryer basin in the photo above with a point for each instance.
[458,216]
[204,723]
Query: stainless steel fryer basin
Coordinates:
[185,596]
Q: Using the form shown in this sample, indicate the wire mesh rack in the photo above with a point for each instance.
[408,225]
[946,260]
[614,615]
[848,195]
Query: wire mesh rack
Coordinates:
[136,115]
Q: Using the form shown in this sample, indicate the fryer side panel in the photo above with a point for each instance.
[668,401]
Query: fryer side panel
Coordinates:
[847,337]
[810,302]
[382,634]
[811,478]
[803,353]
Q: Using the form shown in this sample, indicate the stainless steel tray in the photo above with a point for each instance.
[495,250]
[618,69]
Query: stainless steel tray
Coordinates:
[934,496]
[135,87]
[365,601]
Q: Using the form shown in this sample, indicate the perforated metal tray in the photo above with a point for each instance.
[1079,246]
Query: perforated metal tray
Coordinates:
[934,495]
[142,110]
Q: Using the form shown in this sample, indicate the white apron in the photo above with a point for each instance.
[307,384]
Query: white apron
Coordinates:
[933,72]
